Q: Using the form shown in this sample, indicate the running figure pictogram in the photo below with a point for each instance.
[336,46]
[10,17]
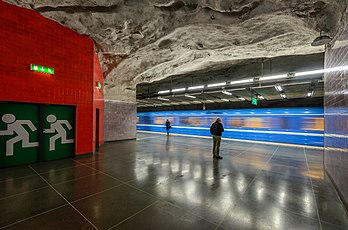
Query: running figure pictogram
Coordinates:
[57,127]
[16,126]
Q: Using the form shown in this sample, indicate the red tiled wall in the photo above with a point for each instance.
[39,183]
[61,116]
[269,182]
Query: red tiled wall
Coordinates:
[98,98]
[26,37]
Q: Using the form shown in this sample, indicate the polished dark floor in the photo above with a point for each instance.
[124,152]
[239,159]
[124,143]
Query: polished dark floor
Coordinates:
[160,182]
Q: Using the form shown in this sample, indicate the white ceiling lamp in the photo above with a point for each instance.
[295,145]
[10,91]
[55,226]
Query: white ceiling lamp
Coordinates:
[178,90]
[275,77]
[283,95]
[196,87]
[190,96]
[241,98]
[163,91]
[260,97]
[163,99]
[310,93]
[249,80]
[210,101]
[278,87]
[319,71]
[196,101]
[217,84]
[224,99]
[226,92]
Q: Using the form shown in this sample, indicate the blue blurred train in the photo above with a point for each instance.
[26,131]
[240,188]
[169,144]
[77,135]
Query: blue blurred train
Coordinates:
[303,126]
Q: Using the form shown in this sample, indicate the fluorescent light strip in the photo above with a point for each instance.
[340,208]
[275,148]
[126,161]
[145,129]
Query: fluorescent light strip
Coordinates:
[278,88]
[309,94]
[163,99]
[190,96]
[226,92]
[196,87]
[242,81]
[217,84]
[241,98]
[210,101]
[224,99]
[178,90]
[163,91]
[273,77]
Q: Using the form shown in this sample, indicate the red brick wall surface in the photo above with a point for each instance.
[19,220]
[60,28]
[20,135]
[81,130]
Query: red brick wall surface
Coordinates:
[28,38]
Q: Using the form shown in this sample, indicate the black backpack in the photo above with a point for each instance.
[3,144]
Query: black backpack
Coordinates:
[214,129]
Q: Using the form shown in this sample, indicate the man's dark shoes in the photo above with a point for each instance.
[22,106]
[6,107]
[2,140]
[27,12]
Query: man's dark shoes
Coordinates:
[218,157]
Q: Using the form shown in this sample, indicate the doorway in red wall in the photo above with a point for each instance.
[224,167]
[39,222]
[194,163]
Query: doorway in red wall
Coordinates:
[30,133]
[97,120]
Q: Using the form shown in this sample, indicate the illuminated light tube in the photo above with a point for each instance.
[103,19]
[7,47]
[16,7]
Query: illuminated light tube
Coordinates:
[242,81]
[318,71]
[260,97]
[309,94]
[224,99]
[196,101]
[210,101]
[163,91]
[241,98]
[226,92]
[217,84]
[283,95]
[163,99]
[278,88]
[178,90]
[190,96]
[281,76]
[196,87]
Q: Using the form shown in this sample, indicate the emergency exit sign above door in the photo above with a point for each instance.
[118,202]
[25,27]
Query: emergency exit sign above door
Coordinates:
[41,69]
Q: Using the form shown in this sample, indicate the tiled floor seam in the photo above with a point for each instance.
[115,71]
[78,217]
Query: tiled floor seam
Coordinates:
[31,217]
[315,200]
[67,201]
[130,217]
[18,194]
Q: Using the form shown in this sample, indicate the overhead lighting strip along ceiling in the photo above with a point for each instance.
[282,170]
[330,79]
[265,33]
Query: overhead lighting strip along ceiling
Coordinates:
[267,78]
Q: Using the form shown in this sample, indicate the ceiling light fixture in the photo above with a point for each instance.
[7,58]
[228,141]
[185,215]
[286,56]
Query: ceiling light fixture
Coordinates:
[283,95]
[178,90]
[241,98]
[163,99]
[210,101]
[163,91]
[278,87]
[280,76]
[190,96]
[310,93]
[224,99]
[226,92]
[196,87]
[242,81]
[217,84]
[260,97]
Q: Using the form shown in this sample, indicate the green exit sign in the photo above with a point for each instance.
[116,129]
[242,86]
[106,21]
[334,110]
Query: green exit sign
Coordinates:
[41,69]
[253,101]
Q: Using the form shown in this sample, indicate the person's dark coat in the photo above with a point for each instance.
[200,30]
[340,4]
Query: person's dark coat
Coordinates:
[219,130]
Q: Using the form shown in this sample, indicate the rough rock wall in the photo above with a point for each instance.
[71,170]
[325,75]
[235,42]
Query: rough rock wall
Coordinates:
[148,40]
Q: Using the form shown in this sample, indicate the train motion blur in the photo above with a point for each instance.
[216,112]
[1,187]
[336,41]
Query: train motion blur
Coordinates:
[304,126]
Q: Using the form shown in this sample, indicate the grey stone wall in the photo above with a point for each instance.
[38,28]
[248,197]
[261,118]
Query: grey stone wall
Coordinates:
[336,115]
[119,120]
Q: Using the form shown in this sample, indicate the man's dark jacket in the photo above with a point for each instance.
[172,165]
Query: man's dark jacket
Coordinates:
[219,129]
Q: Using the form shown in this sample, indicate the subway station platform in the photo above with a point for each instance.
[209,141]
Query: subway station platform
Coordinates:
[160,182]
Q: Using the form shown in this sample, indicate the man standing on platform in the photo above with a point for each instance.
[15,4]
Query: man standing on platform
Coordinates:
[216,130]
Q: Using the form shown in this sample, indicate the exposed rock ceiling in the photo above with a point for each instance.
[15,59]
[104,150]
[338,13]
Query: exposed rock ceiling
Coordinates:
[148,40]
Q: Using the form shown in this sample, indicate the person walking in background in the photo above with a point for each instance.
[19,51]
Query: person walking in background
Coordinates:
[216,130]
[168,126]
